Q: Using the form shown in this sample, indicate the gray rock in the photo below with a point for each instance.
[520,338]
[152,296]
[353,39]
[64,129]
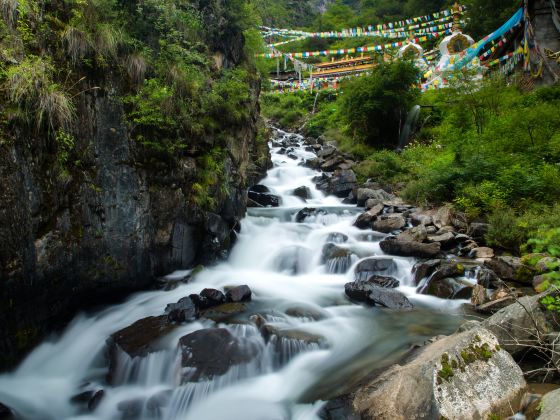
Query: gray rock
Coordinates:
[389,224]
[463,376]
[183,310]
[342,182]
[516,325]
[212,352]
[308,212]
[512,269]
[423,269]
[550,406]
[239,294]
[365,194]
[392,246]
[415,234]
[445,239]
[374,266]
[371,293]
[447,288]
[302,192]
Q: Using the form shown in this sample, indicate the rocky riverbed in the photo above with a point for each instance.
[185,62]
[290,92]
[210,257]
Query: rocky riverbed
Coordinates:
[339,301]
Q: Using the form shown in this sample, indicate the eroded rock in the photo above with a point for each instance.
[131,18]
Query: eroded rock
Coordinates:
[392,246]
[373,294]
[463,376]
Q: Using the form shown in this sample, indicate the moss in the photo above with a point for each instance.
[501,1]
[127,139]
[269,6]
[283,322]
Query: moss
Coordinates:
[446,371]
[493,417]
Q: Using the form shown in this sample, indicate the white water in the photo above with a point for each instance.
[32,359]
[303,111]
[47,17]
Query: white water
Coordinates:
[280,260]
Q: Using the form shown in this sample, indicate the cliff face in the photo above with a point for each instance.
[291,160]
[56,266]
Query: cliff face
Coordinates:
[122,213]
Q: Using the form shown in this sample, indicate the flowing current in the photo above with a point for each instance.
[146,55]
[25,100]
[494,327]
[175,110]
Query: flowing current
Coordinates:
[322,343]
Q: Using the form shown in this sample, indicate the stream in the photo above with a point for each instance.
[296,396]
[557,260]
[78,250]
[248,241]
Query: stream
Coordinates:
[323,344]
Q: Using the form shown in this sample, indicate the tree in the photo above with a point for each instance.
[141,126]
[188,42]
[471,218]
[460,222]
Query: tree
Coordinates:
[374,106]
[485,16]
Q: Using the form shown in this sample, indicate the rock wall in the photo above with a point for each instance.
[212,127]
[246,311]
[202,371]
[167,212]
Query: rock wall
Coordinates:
[114,223]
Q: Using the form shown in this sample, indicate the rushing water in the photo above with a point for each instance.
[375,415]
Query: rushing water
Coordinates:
[293,290]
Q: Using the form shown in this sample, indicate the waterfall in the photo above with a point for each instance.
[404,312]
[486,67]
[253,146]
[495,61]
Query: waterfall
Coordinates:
[409,125]
[314,339]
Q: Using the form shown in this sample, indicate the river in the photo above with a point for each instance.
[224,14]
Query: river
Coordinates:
[329,342]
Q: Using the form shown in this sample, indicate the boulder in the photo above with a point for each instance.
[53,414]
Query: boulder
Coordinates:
[392,246]
[488,279]
[388,224]
[332,164]
[302,192]
[372,294]
[303,214]
[157,402]
[140,338]
[182,311]
[482,252]
[239,294]
[261,189]
[342,182]
[213,297]
[463,376]
[419,218]
[423,269]
[365,194]
[326,152]
[550,406]
[384,281]
[265,199]
[6,413]
[516,325]
[372,202]
[225,312]
[512,269]
[415,234]
[443,217]
[365,220]
[332,251]
[374,266]
[447,288]
[446,239]
[212,352]
[131,409]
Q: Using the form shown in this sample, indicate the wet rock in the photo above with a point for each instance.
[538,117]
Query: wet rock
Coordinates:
[182,311]
[515,325]
[261,189]
[293,259]
[384,281]
[302,192]
[392,246]
[372,294]
[511,269]
[225,312]
[365,220]
[292,156]
[265,199]
[448,269]
[306,312]
[365,194]
[213,297]
[337,238]
[389,224]
[239,294]
[337,259]
[342,182]
[314,163]
[303,214]
[488,279]
[156,403]
[463,376]
[423,269]
[140,338]
[374,266]
[447,288]
[131,409]
[415,234]
[268,331]
[212,352]
[96,400]
[6,413]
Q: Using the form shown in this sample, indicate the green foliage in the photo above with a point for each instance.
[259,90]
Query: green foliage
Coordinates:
[374,106]
[551,303]
[546,240]
[485,16]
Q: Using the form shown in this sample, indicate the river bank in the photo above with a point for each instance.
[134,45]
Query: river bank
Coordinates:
[316,303]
